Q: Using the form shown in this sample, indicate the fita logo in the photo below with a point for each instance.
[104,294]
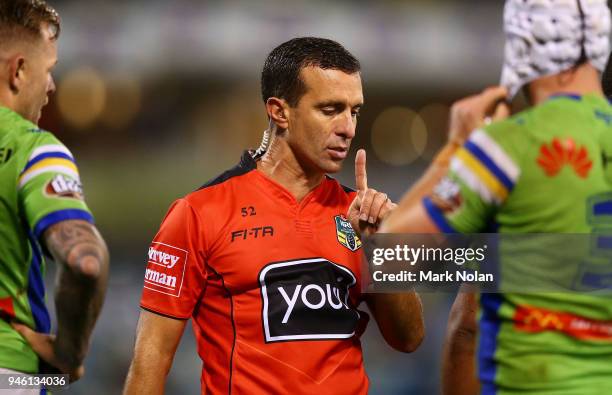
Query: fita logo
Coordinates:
[559,153]
[346,234]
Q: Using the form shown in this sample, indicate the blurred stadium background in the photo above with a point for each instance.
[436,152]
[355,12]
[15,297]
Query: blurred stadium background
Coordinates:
[156,97]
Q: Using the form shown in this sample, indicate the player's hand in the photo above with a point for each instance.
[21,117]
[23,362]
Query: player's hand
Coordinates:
[473,112]
[44,345]
[369,207]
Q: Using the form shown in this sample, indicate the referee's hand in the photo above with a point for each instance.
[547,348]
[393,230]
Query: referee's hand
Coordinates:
[369,207]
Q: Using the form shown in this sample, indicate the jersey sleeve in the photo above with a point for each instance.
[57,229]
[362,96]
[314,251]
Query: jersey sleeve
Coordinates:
[175,275]
[49,185]
[481,176]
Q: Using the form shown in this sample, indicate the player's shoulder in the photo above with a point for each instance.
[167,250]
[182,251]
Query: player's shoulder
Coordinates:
[555,108]
[37,137]
[11,121]
[558,109]
[509,136]
[510,127]
[39,144]
[21,129]
[30,142]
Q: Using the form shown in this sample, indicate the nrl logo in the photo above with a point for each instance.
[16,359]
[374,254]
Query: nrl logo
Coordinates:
[346,234]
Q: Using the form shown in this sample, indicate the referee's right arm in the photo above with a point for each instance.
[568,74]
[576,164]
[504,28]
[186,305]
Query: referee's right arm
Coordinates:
[157,338]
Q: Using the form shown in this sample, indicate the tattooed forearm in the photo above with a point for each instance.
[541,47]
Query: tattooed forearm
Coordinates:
[82,259]
[77,244]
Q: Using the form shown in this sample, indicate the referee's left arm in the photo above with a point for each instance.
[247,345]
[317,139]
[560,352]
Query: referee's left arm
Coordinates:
[399,316]
[400,319]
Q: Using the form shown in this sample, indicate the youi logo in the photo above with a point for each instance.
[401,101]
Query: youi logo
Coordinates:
[307,299]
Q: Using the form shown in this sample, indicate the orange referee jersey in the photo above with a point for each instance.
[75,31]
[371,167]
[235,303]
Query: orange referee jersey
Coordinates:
[272,285]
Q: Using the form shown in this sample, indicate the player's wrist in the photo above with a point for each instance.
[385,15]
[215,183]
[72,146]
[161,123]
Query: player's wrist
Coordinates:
[444,156]
[69,355]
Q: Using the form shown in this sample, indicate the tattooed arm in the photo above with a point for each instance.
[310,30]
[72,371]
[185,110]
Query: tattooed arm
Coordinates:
[82,258]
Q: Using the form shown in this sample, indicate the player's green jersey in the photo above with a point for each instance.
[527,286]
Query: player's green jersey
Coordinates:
[545,170]
[39,186]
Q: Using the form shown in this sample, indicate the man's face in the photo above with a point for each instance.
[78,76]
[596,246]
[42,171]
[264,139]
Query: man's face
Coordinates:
[322,124]
[38,84]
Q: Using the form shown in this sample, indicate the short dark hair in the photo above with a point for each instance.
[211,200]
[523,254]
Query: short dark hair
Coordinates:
[281,72]
[19,18]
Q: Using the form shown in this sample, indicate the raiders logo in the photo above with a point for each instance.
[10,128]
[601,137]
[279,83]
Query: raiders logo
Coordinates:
[307,299]
[447,196]
[64,186]
[346,234]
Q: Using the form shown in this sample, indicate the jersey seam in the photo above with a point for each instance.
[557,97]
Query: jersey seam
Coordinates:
[193,210]
[231,298]
[201,221]
[201,295]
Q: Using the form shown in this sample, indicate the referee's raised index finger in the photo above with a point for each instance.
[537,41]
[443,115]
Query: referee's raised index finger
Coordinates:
[361,177]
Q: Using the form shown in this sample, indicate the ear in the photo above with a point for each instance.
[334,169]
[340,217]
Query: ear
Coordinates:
[278,111]
[16,67]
